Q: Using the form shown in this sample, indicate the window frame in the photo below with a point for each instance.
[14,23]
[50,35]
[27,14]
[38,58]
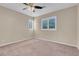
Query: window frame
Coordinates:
[48,18]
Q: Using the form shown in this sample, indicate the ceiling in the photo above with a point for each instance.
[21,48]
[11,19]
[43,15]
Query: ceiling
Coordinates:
[50,7]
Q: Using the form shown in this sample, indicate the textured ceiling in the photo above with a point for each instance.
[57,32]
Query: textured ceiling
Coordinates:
[49,7]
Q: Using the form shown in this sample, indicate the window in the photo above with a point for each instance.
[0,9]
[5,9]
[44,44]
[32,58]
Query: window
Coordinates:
[51,23]
[44,24]
[30,24]
[48,23]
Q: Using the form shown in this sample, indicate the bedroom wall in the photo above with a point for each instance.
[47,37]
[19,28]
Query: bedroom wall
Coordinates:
[66,27]
[12,26]
[78,26]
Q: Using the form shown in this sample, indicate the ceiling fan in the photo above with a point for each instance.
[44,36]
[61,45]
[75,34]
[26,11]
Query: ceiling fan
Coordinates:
[32,6]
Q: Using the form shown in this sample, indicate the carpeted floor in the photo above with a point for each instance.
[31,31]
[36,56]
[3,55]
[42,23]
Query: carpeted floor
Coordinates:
[36,47]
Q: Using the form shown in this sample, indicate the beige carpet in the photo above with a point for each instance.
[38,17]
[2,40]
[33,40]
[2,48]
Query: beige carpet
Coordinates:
[36,47]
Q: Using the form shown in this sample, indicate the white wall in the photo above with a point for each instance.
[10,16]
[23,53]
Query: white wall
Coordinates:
[12,26]
[78,26]
[66,27]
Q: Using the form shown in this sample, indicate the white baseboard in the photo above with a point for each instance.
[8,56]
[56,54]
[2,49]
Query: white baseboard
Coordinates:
[40,39]
[5,44]
[58,42]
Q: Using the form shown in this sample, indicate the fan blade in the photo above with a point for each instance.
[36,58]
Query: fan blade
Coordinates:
[28,4]
[25,3]
[39,7]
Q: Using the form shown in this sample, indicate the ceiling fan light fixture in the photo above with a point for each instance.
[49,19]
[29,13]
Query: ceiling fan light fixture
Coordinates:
[31,9]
